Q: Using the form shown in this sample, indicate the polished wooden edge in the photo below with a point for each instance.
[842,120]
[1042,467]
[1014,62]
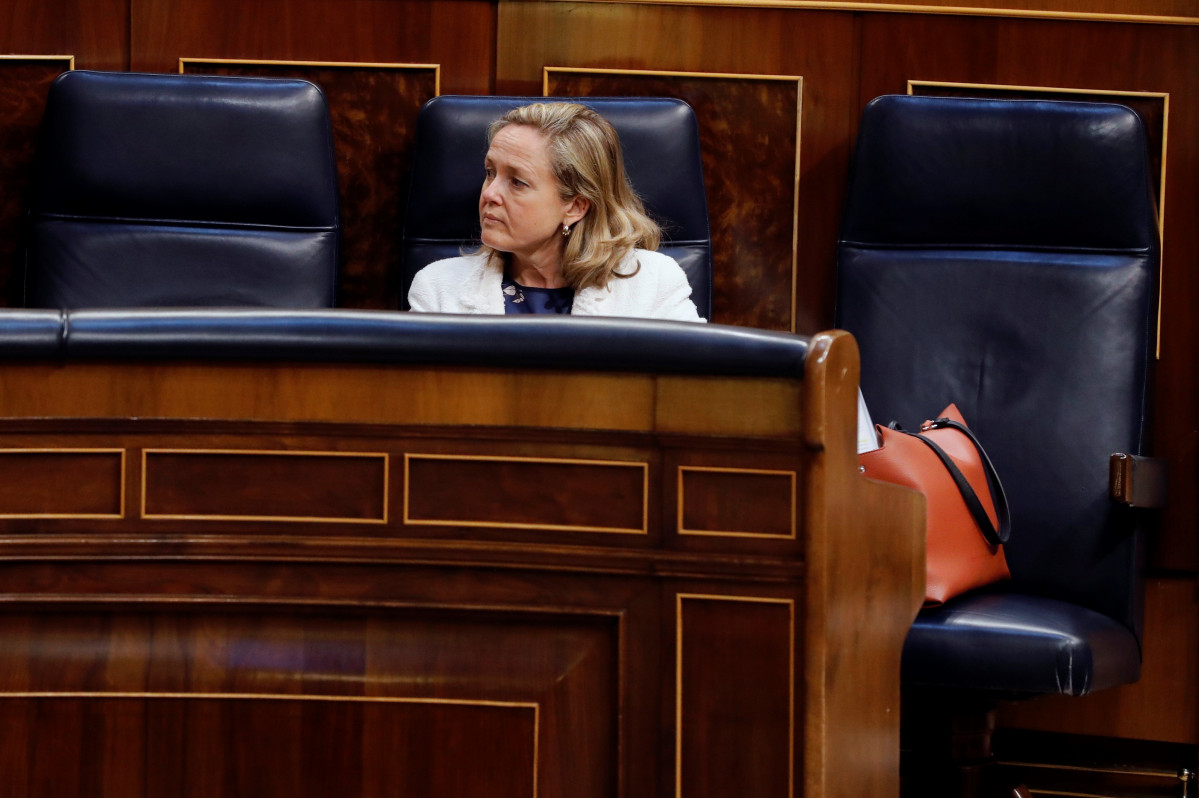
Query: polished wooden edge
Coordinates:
[183,61]
[546,71]
[146,453]
[229,551]
[678,678]
[167,603]
[830,376]
[644,530]
[682,530]
[120,514]
[1018,87]
[795,207]
[322,697]
[916,8]
[349,393]
[667,73]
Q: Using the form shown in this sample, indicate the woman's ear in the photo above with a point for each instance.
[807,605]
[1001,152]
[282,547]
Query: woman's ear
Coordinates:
[576,209]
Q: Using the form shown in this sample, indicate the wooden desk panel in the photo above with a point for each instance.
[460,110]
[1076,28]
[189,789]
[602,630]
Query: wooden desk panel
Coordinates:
[274,608]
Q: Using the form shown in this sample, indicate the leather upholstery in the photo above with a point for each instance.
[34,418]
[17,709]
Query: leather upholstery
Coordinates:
[541,342]
[183,190]
[1003,255]
[660,142]
[32,333]
[549,342]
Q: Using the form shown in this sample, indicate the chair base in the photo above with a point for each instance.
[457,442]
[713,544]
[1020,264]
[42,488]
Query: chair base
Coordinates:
[950,748]
[1080,765]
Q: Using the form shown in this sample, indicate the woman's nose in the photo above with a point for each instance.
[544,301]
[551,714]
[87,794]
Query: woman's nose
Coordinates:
[490,194]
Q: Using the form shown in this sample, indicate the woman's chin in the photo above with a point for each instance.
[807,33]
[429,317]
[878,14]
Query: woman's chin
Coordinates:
[492,240]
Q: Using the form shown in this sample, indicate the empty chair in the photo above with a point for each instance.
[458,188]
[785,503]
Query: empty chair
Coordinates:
[183,190]
[1003,255]
[660,142]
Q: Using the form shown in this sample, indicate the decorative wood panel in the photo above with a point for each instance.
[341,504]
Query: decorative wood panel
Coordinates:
[95,31]
[278,486]
[273,746]
[373,108]
[736,502]
[1160,11]
[236,701]
[62,483]
[24,82]
[735,671]
[822,46]
[749,137]
[457,34]
[299,631]
[453,490]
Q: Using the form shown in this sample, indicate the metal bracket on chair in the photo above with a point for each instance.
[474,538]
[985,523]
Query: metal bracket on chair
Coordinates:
[1137,481]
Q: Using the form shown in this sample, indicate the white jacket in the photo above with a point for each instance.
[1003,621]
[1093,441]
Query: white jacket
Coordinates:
[467,284]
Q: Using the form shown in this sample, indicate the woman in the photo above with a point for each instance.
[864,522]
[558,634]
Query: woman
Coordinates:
[562,230]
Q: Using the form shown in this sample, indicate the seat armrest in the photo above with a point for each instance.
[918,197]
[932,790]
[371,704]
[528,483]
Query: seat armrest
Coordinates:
[1137,481]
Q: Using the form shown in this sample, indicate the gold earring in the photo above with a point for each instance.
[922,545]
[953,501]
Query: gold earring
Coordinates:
[565,229]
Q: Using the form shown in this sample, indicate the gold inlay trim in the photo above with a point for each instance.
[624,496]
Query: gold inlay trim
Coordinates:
[797,79]
[682,530]
[70,59]
[916,8]
[280,697]
[644,530]
[1161,190]
[383,456]
[209,696]
[183,62]
[678,680]
[69,516]
[1171,775]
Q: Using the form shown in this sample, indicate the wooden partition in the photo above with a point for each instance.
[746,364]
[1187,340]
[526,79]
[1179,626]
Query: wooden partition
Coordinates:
[306,579]
[748,66]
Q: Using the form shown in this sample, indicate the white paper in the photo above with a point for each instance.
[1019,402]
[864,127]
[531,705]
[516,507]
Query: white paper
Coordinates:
[867,435]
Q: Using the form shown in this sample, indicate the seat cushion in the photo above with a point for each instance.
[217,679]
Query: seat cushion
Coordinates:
[1018,644]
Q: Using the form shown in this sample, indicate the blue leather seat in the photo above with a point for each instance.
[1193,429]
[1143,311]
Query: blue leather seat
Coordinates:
[183,190]
[660,142]
[1003,255]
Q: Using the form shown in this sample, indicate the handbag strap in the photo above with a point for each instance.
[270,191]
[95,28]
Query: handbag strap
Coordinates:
[994,535]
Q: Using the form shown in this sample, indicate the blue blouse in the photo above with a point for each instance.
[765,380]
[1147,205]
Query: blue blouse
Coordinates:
[523,299]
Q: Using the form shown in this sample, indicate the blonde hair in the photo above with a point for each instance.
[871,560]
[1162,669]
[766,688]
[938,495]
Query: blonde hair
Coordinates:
[585,157]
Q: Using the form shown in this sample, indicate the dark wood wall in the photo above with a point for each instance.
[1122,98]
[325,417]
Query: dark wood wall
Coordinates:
[778,90]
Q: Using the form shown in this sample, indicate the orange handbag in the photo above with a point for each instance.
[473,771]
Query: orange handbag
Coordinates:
[968,519]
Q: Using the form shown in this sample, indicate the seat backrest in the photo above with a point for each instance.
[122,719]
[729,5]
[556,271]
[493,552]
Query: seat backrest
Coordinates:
[183,190]
[1003,255]
[660,142]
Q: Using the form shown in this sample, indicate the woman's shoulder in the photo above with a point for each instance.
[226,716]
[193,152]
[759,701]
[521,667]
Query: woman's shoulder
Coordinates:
[647,262]
[455,265]
[653,258]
